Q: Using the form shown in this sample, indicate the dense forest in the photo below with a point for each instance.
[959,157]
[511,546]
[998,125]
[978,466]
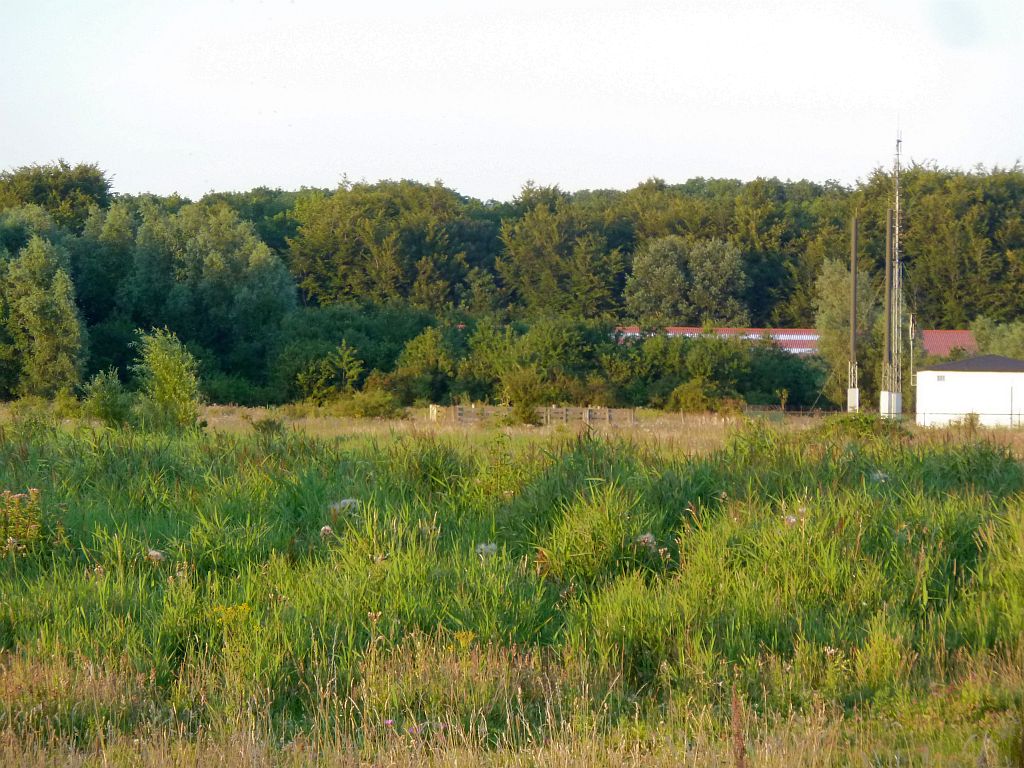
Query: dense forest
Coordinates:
[395,293]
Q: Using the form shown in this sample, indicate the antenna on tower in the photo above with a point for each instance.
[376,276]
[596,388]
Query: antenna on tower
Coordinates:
[891,397]
[852,390]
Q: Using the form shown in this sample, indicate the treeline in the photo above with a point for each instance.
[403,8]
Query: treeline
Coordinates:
[414,292]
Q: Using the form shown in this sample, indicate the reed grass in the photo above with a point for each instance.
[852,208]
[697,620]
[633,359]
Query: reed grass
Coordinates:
[836,594]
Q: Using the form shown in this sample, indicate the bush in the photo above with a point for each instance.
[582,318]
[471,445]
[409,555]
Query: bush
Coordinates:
[169,397]
[106,399]
[369,404]
[693,396]
[330,376]
[524,388]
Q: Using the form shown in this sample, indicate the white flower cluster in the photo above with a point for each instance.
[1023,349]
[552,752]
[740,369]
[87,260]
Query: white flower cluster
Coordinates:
[486,550]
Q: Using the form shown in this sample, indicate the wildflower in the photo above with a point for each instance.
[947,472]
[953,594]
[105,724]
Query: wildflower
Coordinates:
[790,520]
[647,540]
[373,616]
[486,550]
[155,556]
[326,531]
[389,722]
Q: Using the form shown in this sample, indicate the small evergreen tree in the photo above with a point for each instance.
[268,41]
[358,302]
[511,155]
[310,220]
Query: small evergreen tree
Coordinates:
[331,376]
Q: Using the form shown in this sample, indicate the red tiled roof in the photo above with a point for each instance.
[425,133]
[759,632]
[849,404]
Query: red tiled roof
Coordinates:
[942,343]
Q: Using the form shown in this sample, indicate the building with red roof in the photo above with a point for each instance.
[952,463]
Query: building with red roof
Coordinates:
[804,341]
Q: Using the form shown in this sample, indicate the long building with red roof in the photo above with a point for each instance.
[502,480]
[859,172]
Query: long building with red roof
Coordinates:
[804,341]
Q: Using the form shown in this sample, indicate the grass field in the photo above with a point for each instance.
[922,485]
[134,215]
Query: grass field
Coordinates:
[702,593]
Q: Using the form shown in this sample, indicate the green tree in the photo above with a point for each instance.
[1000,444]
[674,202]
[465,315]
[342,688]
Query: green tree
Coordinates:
[718,283]
[491,353]
[101,260]
[657,291]
[719,363]
[554,262]
[332,376]
[66,191]
[105,399]
[42,320]
[10,368]
[675,282]
[203,273]
[392,241]
[168,381]
[1005,339]
[832,320]
[425,369]
[760,232]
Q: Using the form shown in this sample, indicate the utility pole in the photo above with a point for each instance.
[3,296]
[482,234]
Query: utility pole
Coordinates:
[852,389]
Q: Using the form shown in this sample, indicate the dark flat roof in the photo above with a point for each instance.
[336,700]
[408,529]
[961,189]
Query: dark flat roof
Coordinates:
[981,364]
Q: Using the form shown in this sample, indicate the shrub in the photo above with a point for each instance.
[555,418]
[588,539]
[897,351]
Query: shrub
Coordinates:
[106,399]
[693,396]
[330,376]
[524,388]
[169,398]
[369,404]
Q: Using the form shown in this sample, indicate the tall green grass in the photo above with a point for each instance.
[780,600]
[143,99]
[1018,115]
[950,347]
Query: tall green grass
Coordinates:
[197,586]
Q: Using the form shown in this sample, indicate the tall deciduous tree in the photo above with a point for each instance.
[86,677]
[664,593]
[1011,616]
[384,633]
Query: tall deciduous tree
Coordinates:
[392,241]
[832,320]
[43,321]
[555,262]
[677,282]
[719,283]
[66,191]
[657,291]
[203,273]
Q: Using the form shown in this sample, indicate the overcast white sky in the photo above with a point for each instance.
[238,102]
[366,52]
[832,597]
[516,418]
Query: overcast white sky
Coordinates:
[194,95]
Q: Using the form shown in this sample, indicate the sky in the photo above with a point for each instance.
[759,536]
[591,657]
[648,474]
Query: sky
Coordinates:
[190,96]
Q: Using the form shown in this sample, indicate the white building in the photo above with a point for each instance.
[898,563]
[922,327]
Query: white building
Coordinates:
[990,386]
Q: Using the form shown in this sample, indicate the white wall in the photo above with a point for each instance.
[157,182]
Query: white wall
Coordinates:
[945,396]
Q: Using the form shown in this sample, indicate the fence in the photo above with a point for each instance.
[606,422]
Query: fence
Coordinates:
[473,414]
